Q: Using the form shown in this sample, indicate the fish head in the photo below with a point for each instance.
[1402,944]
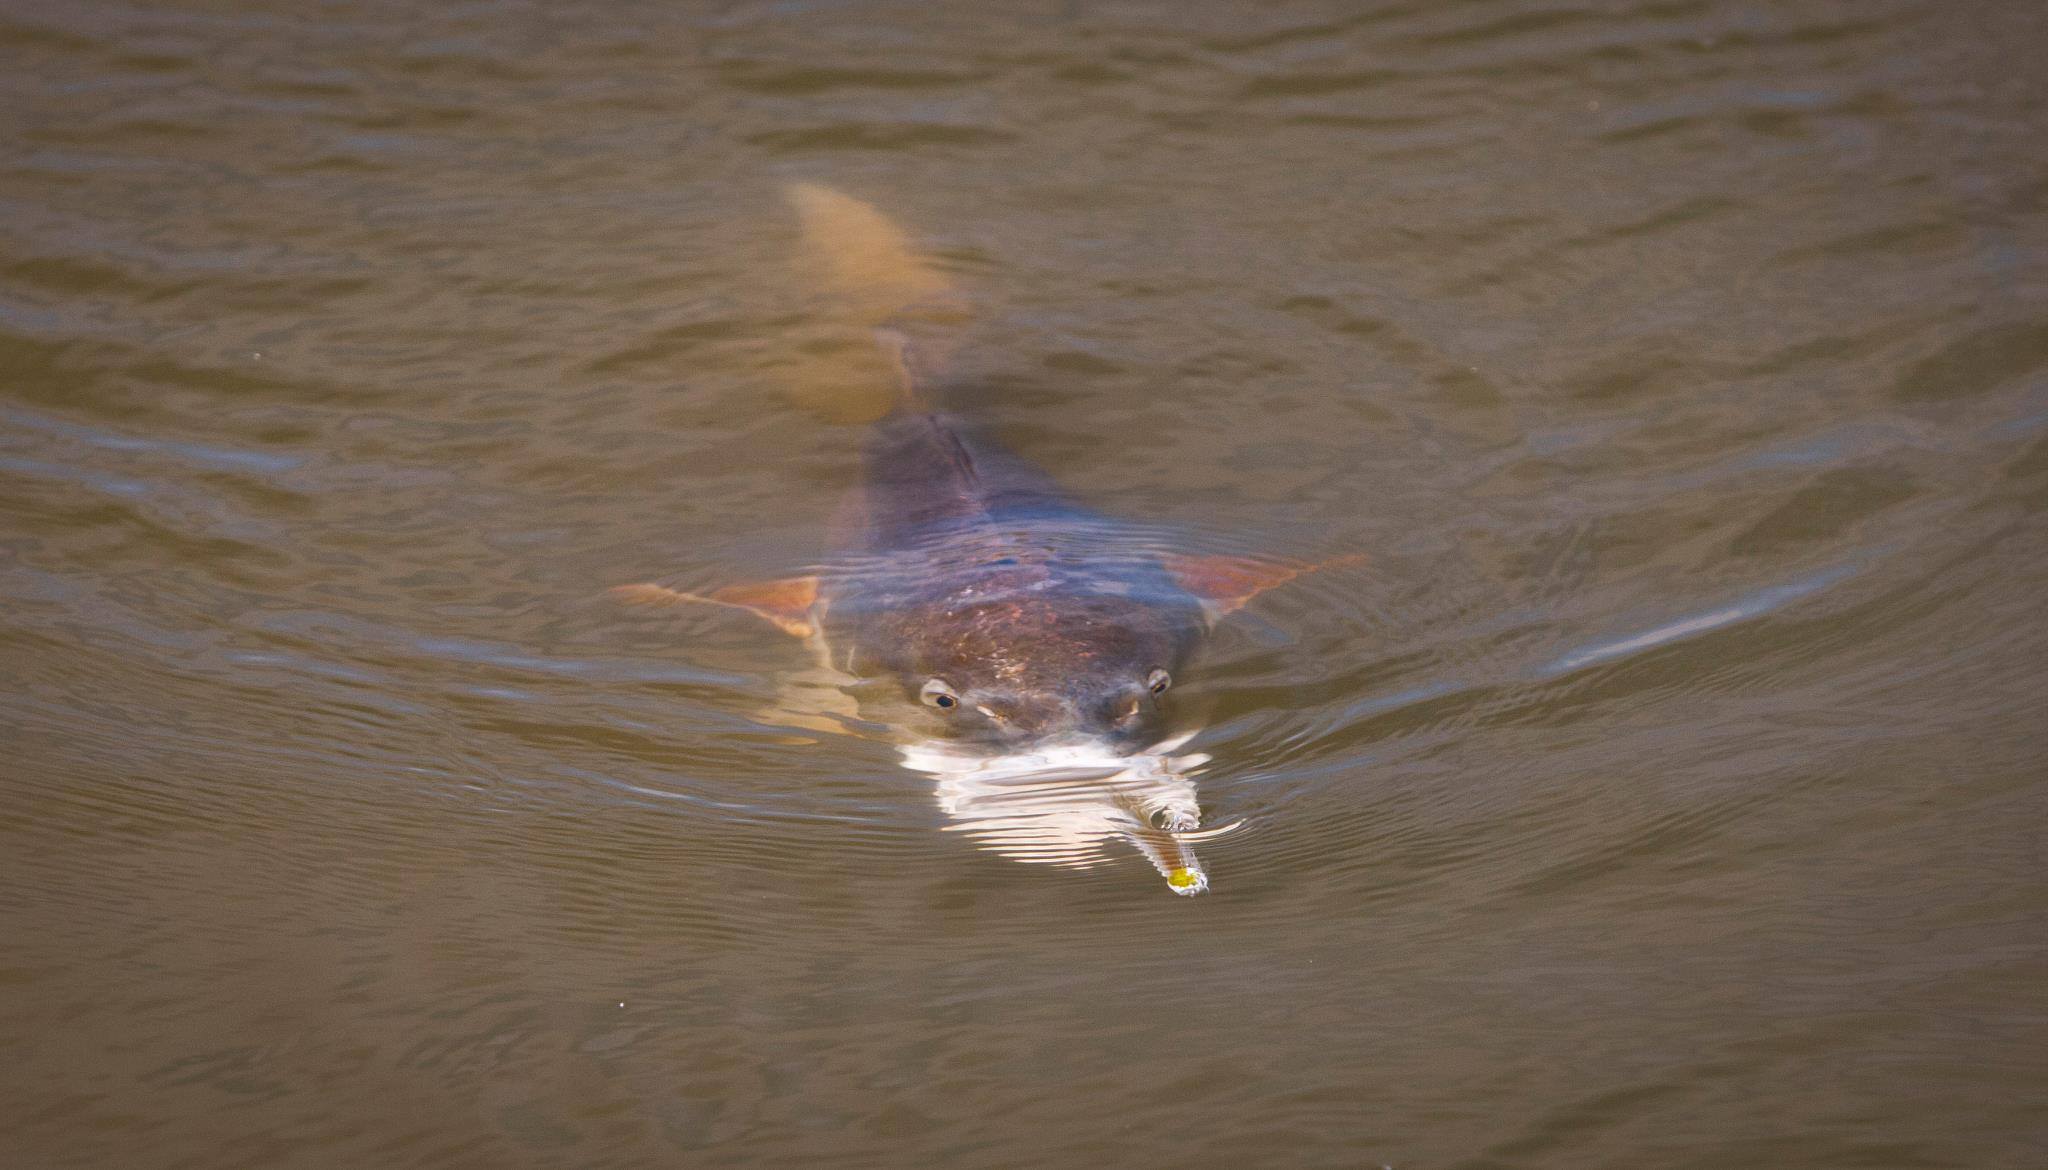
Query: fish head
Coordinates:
[1024,671]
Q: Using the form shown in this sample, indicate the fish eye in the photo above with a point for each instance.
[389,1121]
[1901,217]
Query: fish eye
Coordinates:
[937,693]
[1158,681]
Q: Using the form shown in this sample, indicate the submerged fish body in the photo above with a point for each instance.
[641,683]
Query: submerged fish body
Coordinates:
[1034,640]
[1027,617]
[1040,638]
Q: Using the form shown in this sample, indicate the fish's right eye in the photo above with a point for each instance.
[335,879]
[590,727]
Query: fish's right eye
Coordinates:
[937,694]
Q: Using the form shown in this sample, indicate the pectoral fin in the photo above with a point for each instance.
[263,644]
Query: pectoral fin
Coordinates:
[1226,583]
[786,602]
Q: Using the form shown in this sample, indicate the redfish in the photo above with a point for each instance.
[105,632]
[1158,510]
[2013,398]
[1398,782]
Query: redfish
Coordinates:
[1038,639]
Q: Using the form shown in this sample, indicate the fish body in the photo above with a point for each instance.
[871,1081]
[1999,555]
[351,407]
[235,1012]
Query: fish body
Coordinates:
[1032,640]
[1014,614]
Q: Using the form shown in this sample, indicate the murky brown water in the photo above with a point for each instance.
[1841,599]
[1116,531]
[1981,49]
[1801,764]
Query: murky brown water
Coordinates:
[1667,790]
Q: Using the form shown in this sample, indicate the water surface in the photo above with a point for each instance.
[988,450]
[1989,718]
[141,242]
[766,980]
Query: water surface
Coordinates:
[1665,789]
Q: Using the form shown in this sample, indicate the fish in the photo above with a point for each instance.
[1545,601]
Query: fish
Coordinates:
[1032,642]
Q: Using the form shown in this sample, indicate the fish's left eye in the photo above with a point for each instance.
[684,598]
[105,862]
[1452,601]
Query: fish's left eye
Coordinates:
[938,694]
[1158,681]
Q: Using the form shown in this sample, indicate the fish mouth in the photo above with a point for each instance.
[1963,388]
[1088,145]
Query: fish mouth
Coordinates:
[1067,804]
[994,732]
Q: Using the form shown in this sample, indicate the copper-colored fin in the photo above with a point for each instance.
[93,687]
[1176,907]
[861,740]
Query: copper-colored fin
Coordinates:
[1227,583]
[787,602]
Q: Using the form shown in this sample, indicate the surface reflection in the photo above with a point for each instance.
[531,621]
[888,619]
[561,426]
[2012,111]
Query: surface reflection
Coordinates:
[1066,806]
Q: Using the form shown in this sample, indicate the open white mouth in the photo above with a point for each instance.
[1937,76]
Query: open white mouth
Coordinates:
[1064,804]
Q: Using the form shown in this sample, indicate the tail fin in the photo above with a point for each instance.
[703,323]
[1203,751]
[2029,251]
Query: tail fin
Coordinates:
[866,259]
[878,281]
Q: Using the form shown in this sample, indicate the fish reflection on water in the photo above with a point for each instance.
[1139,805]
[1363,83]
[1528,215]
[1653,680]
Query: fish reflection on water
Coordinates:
[1039,636]
[1064,805]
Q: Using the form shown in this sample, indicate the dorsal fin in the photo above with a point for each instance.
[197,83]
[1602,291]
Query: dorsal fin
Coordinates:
[956,451]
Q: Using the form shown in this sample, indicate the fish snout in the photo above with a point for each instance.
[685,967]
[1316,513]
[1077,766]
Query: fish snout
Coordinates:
[1029,716]
[1016,717]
